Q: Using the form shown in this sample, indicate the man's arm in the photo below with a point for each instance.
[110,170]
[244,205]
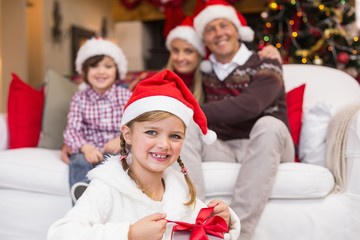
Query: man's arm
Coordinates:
[264,89]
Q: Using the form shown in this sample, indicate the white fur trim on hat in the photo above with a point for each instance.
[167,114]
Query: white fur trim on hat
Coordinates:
[164,103]
[205,66]
[213,12]
[188,34]
[210,137]
[99,46]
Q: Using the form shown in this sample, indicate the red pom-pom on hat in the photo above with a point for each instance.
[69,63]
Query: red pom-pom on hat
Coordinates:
[166,91]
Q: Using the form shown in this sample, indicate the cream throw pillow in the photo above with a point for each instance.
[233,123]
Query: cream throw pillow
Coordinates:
[315,122]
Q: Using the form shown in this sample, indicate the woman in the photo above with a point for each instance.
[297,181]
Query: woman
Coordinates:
[186,53]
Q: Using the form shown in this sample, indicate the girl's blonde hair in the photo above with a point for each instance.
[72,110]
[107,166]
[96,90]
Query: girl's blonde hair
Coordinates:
[197,87]
[155,116]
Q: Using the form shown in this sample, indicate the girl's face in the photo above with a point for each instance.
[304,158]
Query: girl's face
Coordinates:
[103,75]
[155,145]
[184,57]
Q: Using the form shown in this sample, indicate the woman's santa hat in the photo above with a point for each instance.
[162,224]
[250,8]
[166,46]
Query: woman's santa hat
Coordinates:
[165,91]
[215,9]
[98,46]
[185,31]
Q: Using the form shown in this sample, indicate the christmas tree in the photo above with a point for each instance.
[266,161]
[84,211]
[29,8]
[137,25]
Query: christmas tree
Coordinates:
[313,32]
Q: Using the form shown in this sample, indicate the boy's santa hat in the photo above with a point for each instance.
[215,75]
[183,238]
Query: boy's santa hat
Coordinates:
[215,9]
[186,31]
[165,91]
[99,46]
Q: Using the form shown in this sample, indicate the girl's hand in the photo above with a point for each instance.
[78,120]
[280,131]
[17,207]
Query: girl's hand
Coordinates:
[151,227]
[91,153]
[112,146]
[221,209]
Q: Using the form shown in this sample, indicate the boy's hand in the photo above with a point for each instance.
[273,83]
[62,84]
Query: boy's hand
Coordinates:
[151,227]
[112,146]
[221,209]
[91,153]
[65,151]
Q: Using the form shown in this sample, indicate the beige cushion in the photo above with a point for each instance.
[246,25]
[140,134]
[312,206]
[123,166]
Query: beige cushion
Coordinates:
[293,180]
[59,91]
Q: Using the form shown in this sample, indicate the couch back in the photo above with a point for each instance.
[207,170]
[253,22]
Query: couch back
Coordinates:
[323,84]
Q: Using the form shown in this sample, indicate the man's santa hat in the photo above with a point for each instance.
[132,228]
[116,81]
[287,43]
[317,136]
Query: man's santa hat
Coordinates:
[165,91]
[215,9]
[99,46]
[185,31]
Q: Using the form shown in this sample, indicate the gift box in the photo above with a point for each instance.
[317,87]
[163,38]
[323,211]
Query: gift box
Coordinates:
[182,235]
[205,227]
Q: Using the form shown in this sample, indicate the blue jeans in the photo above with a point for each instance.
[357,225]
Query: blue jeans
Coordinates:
[79,167]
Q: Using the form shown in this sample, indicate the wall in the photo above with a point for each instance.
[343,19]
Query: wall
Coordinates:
[146,11]
[26,45]
[35,41]
[13,44]
[134,45]
[87,14]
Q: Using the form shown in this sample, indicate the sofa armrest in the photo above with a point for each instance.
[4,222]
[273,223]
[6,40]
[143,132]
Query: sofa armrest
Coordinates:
[4,132]
[352,156]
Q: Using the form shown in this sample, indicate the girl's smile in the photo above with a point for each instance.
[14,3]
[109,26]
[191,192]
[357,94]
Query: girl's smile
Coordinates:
[155,145]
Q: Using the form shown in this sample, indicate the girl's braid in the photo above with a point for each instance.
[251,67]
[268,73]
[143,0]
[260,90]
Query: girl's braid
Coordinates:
[123,153]
[192,190]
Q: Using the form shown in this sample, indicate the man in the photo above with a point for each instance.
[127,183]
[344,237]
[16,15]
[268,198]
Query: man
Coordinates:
[245,105]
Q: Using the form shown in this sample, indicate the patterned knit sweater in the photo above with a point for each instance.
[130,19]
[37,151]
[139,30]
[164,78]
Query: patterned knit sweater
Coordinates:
[253,90]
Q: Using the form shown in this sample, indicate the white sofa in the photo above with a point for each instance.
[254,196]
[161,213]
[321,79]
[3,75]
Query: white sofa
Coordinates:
[34,181]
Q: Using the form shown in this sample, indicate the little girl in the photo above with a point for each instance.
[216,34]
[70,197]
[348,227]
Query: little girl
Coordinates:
[93,120]
[133,196]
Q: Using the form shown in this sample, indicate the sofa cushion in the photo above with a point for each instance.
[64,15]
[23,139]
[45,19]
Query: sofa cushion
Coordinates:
[58,93]
[34,169]
[25,107]
[293,180]
[313,134]
[294,102]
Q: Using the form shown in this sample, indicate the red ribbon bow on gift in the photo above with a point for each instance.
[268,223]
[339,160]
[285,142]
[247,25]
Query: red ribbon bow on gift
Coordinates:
[204,225]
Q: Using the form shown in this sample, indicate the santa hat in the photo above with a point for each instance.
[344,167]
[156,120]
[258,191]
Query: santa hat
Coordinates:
[99,46]
[165,91]
[215,9]
[186,31]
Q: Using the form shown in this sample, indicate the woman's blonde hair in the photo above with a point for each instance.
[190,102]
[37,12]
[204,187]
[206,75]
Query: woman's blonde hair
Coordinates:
[155,116]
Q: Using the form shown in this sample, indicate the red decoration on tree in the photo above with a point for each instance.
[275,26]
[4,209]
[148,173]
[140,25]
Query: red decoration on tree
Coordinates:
[343,57]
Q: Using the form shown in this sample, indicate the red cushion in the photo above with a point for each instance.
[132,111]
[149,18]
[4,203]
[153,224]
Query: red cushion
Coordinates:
[25,107]
[294,101]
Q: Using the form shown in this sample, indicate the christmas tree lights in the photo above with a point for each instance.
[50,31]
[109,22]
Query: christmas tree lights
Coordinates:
[313,32]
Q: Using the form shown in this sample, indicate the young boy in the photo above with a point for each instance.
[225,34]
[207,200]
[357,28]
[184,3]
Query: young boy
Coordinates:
[95,114]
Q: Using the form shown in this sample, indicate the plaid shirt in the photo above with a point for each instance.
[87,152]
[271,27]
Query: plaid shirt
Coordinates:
[95,118]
